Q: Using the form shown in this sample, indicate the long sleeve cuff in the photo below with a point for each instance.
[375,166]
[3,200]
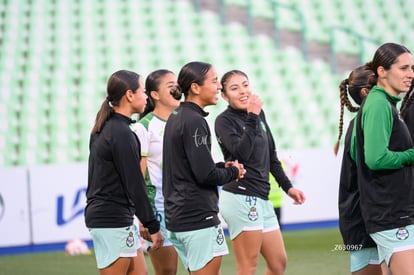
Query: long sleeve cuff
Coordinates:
[286,186]
[153,226]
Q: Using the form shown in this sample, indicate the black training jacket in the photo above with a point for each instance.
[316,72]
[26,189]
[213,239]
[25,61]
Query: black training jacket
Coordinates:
[351,224]
[387,195]
[247,138]
[190,176]
[116,188]
[408,117]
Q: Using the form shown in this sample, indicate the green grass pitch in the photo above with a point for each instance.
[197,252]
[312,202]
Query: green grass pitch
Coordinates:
[309,252]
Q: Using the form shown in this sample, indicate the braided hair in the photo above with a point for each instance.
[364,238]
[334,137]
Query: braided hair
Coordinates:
[407,100]
[357,79]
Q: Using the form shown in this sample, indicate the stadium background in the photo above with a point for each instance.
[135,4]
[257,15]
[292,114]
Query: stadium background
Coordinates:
[56,57]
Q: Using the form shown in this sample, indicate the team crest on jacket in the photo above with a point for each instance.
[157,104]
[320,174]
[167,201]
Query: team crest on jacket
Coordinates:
[130,240]
[220,236]
[402,233]
[253,214]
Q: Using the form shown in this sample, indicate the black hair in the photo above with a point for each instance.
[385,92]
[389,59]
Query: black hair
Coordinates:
[118,83]
[152,83]
[357,79]
[408,100]
[227,75]
[192,72]
[384,56]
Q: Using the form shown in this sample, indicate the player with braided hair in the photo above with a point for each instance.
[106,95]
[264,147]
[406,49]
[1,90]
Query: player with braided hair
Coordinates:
[407,112]
[363,251]
[343,90]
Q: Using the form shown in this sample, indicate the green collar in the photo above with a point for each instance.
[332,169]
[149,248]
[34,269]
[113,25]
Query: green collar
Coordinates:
[394,99]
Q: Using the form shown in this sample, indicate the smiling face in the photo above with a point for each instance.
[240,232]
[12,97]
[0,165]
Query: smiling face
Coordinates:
[398,78]
[208,91]
[236,91]
[163,95]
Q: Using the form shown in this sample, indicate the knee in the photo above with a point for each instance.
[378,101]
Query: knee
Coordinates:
[283,264]
[278,266]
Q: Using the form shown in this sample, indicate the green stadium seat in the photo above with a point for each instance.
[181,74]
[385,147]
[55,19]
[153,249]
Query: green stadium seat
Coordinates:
[61,66]
[240,3]
[262,9]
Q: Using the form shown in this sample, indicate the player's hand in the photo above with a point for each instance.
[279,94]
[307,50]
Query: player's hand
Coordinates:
[297,195]
[144,232]
[157,240]
[239,166]
[255,104]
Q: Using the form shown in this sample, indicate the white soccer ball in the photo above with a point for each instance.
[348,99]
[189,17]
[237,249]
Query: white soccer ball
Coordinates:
[76,247]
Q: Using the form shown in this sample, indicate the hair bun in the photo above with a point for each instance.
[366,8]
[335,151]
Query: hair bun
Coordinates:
[176,92]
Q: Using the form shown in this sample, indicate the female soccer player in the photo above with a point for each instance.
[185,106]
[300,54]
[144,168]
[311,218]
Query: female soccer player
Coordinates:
[243,134]
[116,188]
[385,157]
[190,176]
[363,250]
[163,98]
